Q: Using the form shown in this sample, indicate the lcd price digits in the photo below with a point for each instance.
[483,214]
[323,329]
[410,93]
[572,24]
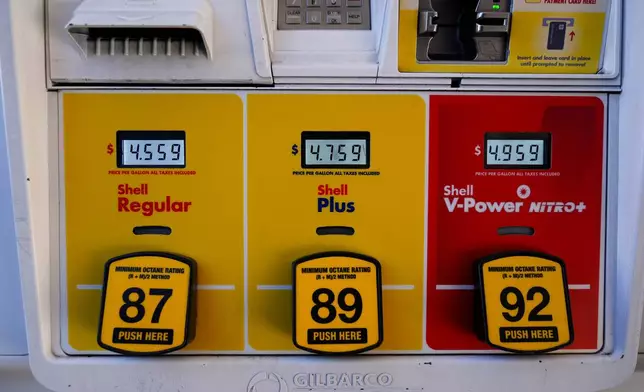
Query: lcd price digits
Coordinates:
[329,203]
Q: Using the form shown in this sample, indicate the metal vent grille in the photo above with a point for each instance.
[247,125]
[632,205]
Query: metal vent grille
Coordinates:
[141,41]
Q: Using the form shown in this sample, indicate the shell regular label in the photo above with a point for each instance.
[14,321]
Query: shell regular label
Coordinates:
[147,305]
[525,303]
[337,304]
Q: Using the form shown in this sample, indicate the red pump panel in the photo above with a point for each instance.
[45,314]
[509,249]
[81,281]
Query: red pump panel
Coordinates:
[469,203]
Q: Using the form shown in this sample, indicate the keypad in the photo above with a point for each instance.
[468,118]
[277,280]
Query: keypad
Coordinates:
[324,15]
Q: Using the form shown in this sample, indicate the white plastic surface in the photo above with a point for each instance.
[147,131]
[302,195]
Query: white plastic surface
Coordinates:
[249,49]
[328,56]
[32,120]
[13,338]
[16,377]
[238,50]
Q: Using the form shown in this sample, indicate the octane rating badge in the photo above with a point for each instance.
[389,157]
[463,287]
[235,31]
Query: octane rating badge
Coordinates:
[337,303]
[524,303]
[148,304]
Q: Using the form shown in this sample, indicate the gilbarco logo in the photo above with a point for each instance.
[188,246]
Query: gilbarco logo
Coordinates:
[267,382]
[273,382]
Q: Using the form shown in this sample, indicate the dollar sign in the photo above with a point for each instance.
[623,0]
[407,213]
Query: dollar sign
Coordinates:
[110,149]
[295,150]
[477,150]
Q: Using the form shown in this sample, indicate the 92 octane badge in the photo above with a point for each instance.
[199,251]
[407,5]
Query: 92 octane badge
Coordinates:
[525,303]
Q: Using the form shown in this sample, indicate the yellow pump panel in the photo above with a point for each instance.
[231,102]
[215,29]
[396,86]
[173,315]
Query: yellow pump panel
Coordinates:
[205,203]
[388,206]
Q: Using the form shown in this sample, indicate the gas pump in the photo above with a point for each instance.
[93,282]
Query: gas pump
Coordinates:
[238,194]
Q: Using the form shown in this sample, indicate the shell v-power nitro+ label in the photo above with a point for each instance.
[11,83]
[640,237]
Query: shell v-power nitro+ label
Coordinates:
[251,223]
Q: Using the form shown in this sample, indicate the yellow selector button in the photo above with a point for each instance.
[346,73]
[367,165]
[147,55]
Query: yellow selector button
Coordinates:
[524,303]
[148,304]
[337,303]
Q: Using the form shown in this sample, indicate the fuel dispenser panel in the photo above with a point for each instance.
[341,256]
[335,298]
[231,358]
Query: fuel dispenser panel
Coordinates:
[440,192]
[527,182]
[306,197]
[155,173]
[368,230]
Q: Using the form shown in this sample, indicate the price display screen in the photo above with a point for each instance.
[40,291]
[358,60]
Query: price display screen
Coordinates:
[153,149]
[335,150]
[517,151]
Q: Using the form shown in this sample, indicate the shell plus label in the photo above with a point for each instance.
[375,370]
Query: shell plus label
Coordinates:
[525,303]
[337,303]
[335,199]
[147,305]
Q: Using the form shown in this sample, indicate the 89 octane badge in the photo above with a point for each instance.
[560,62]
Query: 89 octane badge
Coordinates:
[337,303]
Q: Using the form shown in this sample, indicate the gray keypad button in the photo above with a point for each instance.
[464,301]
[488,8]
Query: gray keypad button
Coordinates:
[333,17]
[313,17]
[293,16]
[323,14]
[354,17]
